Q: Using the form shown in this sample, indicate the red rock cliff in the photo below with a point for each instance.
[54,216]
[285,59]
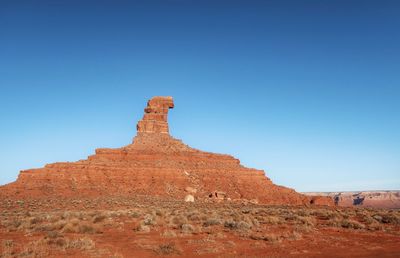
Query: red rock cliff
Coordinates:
[154,164]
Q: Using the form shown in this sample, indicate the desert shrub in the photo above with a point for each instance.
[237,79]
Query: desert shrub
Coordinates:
[322,214]
[266,237]
[378,218]
[59,224]
[271,211]
[187,228]
[272,238]
[54,218]
[374,226]
[160,213]
[273,220]
[295,235]
[348,223]
[42,247]
[8,248]
[135,214]
[236,216]
[38,248]
[81,228]
[84,243]
[74,221]
[114,214]
[367,219]
[70,214]
[246,210]
[179,220]
[53,234]
[55,238]
[212,222]
[35,220]
[390,218]
[194,216]
[335,222]
[99,218]
[255,222]
[361,212]
[303,212]
[204,217]
[70,228]
[86,228]
[169,233]
[347,213]
[305,220]
[230,224]
[304,228]
[175,212]
[243,225]
[149,220]
[167,249]
[13,224]
[143,228]
[255,211]
[45,227]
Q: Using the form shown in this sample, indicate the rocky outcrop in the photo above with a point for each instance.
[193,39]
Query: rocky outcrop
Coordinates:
[154,164]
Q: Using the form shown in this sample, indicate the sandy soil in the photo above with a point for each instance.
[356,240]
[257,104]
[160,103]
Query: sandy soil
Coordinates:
[151,227]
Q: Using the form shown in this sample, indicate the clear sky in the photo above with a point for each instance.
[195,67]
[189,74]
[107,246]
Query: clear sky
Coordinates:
[309,91]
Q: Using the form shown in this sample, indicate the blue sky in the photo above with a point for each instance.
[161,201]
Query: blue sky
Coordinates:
[309,91]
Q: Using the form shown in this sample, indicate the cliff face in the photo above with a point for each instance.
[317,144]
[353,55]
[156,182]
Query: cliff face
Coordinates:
[154,164]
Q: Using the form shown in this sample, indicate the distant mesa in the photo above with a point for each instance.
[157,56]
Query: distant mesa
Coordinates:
[155,164]
[367,199]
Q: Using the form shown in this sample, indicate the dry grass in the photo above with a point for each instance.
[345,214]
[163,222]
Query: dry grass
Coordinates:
[66,230]
[179,217]
[167,249]
[53,244]
[8,248]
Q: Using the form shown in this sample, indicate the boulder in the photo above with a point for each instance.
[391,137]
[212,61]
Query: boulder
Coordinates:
[189,198]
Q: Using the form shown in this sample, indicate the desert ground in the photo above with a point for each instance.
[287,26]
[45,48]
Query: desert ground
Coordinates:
[151,227]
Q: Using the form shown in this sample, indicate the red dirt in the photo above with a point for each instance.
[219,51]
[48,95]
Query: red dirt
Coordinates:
[273,231]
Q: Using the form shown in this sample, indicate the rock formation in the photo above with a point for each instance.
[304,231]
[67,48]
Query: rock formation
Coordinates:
[155,119]
[154,164]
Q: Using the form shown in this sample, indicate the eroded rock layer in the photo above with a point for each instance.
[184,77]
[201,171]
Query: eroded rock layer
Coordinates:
[154,164]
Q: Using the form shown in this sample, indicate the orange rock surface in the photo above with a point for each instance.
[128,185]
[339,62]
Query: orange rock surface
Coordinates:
[155,119]
[155,164]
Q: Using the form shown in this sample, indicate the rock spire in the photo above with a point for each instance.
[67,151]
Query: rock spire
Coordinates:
[155,119]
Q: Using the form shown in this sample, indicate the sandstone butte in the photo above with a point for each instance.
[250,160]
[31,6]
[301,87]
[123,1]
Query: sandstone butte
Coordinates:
[155,164]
